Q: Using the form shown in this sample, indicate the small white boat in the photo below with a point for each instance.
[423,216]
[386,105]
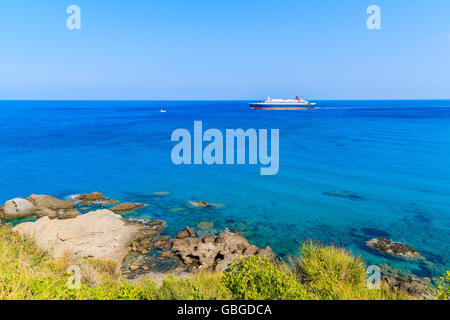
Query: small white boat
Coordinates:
[162,110]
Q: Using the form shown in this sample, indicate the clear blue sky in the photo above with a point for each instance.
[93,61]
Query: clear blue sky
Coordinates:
[212,49]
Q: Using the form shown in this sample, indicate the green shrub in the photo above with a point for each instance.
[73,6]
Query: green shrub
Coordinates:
[201,286]
[333,273]
[443,290]
[257,278]
[333,264]
[179,289]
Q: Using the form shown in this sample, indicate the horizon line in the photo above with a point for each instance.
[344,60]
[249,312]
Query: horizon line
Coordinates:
[137,100]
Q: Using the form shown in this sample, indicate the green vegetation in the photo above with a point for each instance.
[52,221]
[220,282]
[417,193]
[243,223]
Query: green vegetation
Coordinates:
[257,278]
[332,273]
[443,291]
[201,286]
[29,273]
[319,272]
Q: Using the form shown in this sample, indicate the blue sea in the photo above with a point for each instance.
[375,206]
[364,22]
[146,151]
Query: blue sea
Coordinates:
[349,170]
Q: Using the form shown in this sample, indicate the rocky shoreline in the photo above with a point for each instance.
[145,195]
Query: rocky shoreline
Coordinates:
[104,234]
[140,250]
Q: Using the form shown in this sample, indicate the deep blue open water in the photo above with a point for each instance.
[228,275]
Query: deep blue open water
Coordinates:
[390,158]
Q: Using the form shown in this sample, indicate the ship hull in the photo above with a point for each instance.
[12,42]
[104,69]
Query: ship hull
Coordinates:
[257,106]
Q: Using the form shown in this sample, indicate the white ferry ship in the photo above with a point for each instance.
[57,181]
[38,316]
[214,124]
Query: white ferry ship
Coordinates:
[283,104]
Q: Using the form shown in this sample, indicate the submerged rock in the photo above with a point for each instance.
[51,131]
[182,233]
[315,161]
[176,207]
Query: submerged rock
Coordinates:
[344,194]
[107,201]
[205,225]
[198,204]
[372,232]
[215,253]
[204,204]
[99,234]
[18,208]
[422,218]
[161,193]
[126,206]
[218,205]
[392,248]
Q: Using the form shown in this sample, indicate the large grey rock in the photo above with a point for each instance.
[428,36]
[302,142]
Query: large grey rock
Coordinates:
[18,208]
[100,234]
[215,253]
[54,208]
[49,202]
[418,288]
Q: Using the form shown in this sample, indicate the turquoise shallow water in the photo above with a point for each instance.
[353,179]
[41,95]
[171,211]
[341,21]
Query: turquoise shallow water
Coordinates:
[392,155]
